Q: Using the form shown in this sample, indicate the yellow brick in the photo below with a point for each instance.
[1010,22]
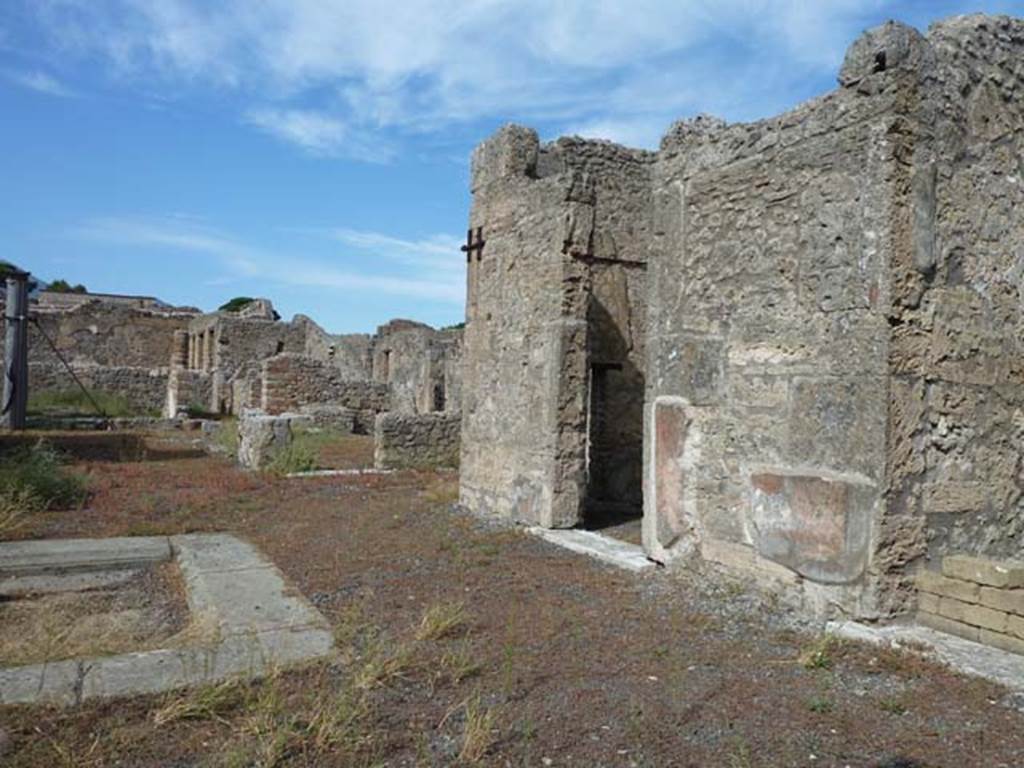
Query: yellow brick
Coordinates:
[936,584]
[986,618]
[953,609]
[949,626]
[927,602]
[1009,600]
[1008,574]
[1015,626]
[1003,642]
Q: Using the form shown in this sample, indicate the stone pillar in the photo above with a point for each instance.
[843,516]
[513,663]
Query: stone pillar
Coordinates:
[15,389]
[207,345]
[180,350]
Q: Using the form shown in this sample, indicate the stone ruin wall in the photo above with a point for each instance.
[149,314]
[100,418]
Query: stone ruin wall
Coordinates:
[419,364]
[559,285]
[225,353]
[833,363]
[957,390]
[115,346]
[405,440]
[291,382]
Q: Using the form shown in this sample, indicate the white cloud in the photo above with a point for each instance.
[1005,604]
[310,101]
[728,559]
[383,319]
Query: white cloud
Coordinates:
[310,130]
[242,260]
[423,64]
[40,82]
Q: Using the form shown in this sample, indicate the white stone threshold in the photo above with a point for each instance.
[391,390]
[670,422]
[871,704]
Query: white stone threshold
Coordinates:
[254,623]
[339,473]
[962,655]
[621,554]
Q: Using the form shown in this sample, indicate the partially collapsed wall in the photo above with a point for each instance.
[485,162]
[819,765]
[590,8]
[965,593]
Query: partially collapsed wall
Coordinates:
[830,356]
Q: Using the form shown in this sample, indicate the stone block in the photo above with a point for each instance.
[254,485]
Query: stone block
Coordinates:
[928,603]
[1015,625]
[261,438]
[1006,574]
[817,526]
[1009,600]
[975,615]
[1002,642]
[949,626]
[936,584]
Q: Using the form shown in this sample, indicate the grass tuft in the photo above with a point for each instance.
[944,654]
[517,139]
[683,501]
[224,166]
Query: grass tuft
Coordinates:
[210,702]
[440,621]
[821,653]
[480,732]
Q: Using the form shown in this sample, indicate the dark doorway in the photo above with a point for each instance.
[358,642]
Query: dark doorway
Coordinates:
[614,500]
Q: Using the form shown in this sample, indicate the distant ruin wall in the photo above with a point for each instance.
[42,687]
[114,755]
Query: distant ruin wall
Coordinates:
[144,389]
[403,440]
[293,381]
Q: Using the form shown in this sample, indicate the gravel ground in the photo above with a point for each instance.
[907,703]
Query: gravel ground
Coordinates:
[566,662]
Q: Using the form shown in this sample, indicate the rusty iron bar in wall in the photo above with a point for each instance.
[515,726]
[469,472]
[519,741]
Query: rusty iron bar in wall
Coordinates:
[472,245]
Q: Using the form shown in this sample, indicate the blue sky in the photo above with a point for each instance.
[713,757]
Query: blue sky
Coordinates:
[316,151]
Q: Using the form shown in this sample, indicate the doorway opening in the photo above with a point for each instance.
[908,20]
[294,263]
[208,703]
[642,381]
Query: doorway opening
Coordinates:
[614,495]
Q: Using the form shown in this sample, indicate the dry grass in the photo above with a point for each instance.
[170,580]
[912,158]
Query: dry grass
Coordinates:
[15,505]
[384,664]
[821,653]
[210,702]
[443,620]
[67,625]
[479,733]
[459,663]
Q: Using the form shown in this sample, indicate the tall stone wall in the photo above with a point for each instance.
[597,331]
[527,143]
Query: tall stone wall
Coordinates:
[831,356]
[957,393]
[558,286]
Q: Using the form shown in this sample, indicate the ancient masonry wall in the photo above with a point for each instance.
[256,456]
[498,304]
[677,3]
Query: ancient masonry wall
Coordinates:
[291,382]
[412,359]
[769,340]
[957,391]
[116,346]
[832,372]
[404,440]
[557,221]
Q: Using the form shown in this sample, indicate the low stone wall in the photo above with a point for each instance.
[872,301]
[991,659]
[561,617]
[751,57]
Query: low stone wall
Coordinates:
[144,388]
[293,382]
[335,417]
[424,440]
[977,599]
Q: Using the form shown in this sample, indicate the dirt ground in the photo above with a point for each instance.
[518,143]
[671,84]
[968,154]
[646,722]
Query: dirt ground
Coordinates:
[467,642]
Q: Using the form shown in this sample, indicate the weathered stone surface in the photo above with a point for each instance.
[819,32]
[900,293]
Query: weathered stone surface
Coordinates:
[1009,600]
[261,438]
[949,626]
[1004,574]
[425,440]
[833,293]
[259,624]
[817,526]
[19,558]
[936,584]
